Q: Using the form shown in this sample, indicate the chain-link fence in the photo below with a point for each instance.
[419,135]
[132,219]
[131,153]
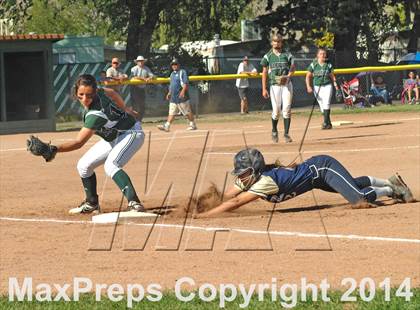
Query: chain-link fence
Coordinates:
[211,96]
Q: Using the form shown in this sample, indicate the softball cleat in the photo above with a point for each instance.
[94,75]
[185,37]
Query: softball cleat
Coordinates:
[192,127]
[163,128]
[85,208]
[400,189]
[275,136]
[287,138]
[135,206]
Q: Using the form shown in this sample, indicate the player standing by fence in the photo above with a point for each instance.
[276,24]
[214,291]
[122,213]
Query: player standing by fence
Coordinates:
[278,67]
[138,92]
[243,84]
[320,73]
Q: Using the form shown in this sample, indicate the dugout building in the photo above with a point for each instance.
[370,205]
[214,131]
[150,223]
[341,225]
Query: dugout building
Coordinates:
[26,83]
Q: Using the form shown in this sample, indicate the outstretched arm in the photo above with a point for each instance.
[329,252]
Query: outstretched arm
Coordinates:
[229,205]
[233,191]
[83,136]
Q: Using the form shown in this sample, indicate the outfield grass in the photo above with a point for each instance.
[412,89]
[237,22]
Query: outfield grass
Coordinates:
[169,301]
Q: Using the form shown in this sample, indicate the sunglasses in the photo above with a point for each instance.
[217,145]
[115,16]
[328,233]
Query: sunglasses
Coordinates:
[115,63]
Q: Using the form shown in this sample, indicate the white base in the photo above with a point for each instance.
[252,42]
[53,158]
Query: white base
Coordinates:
[114,216]
[341,123]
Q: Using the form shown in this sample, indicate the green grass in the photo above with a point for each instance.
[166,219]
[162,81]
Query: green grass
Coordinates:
[169,301]
[63,125]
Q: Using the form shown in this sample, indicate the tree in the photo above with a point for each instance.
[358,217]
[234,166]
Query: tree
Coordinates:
[414,37]
[135,20]
[357,26]
[193,20]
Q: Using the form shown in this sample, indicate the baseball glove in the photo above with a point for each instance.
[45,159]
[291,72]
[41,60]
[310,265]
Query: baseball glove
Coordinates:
[39,148]
[208,200]
[282,80]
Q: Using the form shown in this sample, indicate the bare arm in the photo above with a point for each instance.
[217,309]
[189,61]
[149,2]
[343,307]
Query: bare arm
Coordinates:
[333,78]
[112,94]
[82,137]
[231,204]
[119,101]
[308,80]
[292,70]
[233,191]
[184,89]
[264,82]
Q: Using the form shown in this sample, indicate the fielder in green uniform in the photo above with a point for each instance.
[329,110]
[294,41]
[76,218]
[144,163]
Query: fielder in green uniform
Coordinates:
[321,74]
[122,136]
[278,67]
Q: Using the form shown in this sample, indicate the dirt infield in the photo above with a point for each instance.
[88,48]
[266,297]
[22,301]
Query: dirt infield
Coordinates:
[315,235]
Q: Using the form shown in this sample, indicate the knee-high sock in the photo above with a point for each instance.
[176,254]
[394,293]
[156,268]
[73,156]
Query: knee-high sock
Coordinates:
[89,185]
[124,183]
[274,124]
[327,119]
[286,123]
[383,191]
[377,182]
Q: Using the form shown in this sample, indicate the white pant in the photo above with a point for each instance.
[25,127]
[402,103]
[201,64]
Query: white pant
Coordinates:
[114,155]
[323,96]
[281,99]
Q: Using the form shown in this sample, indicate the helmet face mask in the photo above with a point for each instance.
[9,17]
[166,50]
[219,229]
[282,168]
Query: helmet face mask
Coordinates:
[247,178]
[248,167]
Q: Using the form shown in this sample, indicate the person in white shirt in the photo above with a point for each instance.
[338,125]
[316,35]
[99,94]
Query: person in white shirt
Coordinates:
[113,73]
[242,84]
[138,92]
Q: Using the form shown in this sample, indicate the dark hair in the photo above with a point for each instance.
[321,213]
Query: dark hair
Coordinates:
[321,48]
[279,164]
[276,37]
[85,80]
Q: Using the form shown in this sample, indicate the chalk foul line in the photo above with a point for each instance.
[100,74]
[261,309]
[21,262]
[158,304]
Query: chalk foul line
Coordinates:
[212,229]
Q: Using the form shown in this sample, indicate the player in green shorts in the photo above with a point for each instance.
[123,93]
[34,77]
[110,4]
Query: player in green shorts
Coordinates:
[278,67]
[321,74]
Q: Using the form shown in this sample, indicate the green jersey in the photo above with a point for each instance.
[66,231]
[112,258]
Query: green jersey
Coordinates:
[277,64]
[106,118]
[321,72]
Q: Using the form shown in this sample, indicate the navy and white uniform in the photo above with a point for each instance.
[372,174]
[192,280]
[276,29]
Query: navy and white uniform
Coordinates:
[322,172]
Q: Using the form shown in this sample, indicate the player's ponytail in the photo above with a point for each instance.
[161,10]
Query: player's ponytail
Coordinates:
[279,164]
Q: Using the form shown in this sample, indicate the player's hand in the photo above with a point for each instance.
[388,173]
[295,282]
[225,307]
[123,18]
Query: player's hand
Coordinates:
[131,111]
[265,94]
[181,94]
[168,96]
[309,90]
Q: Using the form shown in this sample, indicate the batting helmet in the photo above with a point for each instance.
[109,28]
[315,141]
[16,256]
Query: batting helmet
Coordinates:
[248,162]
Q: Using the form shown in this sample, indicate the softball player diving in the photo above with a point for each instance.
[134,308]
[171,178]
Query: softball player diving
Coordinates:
[278,67]
[275,184]
[320,73]
[122,136]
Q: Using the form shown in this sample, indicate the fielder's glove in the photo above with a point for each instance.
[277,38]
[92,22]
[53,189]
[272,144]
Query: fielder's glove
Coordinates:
[39,148]
[281,80]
